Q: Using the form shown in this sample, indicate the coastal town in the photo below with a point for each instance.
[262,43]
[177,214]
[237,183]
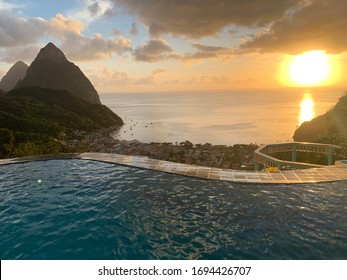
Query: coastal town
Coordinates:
[238,156]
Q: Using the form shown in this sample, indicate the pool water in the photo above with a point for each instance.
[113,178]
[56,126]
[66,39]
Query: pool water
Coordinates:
[73,209]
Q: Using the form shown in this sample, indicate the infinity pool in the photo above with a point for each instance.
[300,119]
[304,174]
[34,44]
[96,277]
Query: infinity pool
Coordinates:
[73,209]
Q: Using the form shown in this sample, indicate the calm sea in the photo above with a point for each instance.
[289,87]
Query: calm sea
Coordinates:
[218,117]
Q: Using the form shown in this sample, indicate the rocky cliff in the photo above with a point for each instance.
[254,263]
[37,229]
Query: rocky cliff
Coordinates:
[16,73]
[330,127]
[51,69]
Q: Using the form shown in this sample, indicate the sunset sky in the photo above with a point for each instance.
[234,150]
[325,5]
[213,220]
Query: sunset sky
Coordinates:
[154,45]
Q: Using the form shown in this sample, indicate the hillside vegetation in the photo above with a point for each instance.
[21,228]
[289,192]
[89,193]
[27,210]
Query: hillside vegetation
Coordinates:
[329,128]
[35,120]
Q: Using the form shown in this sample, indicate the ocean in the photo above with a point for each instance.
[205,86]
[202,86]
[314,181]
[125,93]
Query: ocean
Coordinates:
[219,118]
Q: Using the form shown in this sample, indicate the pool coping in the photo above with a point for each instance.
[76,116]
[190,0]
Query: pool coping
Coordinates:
[299,176]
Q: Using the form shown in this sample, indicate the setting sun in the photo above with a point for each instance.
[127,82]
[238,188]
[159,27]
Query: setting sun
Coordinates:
[311,68]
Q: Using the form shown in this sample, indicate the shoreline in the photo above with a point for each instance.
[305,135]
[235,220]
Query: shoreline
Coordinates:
[237,156]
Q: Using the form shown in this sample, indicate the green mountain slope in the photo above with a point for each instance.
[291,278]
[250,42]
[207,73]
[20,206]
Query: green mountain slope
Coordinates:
[39,116]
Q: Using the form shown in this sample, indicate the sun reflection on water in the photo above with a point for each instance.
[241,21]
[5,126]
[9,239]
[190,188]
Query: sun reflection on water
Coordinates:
[307,110]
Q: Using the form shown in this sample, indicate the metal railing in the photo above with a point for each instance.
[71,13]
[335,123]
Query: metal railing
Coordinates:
[263,155]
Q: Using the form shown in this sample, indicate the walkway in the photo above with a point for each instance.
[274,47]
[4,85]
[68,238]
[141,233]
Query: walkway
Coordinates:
[264,154]
[313,175]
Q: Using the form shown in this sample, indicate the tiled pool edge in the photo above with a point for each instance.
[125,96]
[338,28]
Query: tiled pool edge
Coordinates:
[38,158]
[314,175]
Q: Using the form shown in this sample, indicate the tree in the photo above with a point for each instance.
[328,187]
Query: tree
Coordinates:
[9,142]
[187,144]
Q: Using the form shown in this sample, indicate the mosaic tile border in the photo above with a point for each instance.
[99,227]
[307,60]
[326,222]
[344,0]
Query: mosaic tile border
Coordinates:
[313,175]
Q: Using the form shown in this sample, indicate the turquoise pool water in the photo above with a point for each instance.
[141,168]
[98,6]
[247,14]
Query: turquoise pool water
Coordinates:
[72,209]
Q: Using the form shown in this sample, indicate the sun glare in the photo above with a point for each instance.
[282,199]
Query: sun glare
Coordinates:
[311,68]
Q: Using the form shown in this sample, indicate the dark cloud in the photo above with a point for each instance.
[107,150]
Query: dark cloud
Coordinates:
[205,52]
[233,33]
[159,71]
[290,26]
[94,9]
[153,51]
[117,32]
[134,29]
[158,50]
[206,48]
[109,14]
[322,24]
[200,18]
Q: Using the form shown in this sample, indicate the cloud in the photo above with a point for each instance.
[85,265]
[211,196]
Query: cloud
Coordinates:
[82,48]
[321,24]
[159,71]
[152,51]
[209,49]
[159,50]
[151,78]
[214,79]
[13,54]
[18,31]
[134,29]
[94,9]
[248,80]
[117,32]
[60,26]
[79,47]
[290,26]
[205,52]
[201,80]
[5,6]
[201,18]
[144,81]
[19,38]
[233,33]
[88,11]
[107,77]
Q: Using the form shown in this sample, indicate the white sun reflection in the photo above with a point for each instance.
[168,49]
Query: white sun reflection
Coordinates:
[306,108]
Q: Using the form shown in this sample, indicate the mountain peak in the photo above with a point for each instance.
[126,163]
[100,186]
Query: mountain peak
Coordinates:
[16,73]
[51,52]
[20,64]
[51,69]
